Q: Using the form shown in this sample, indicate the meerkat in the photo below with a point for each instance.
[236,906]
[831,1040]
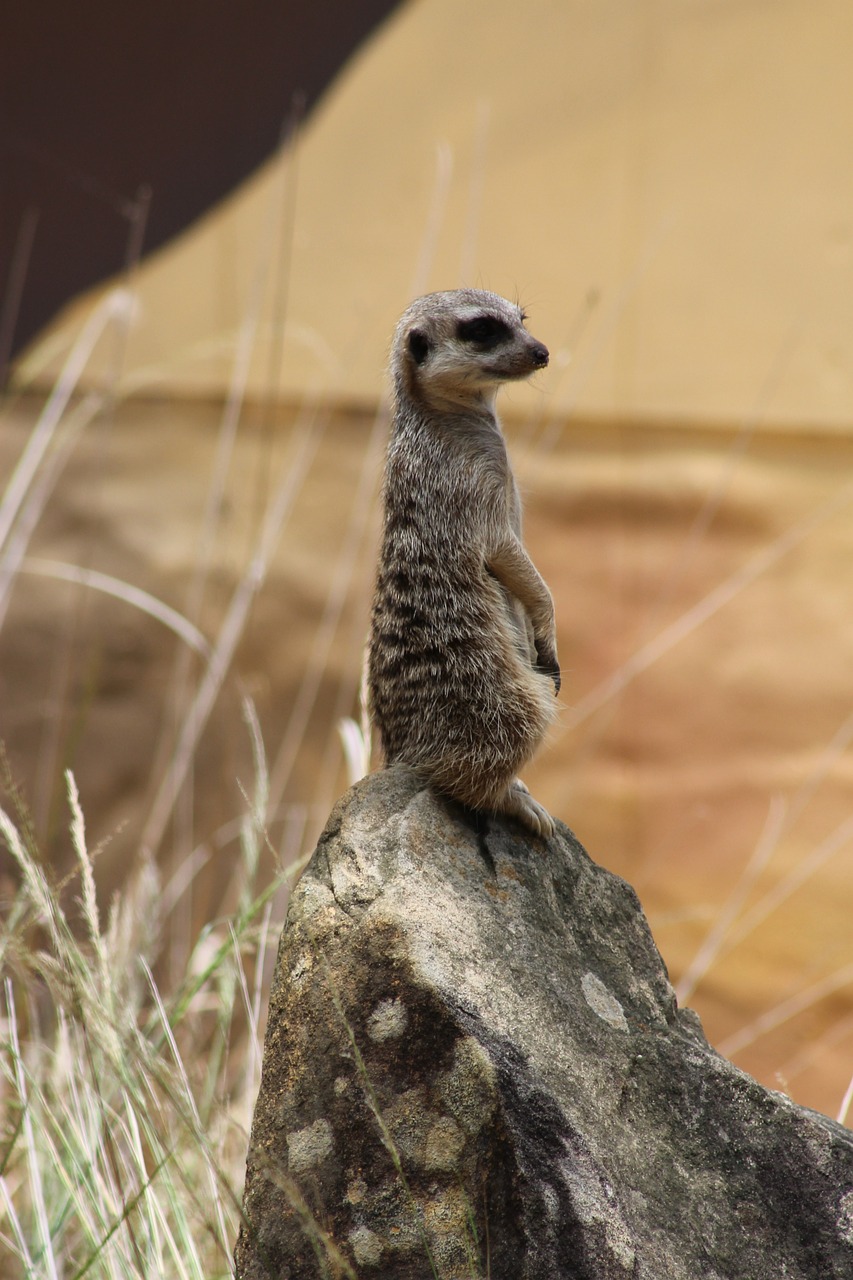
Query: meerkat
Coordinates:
[462,665]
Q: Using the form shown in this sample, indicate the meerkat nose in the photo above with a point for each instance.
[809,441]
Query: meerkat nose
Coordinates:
[539,354]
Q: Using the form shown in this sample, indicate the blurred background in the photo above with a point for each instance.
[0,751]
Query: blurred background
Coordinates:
[210,220]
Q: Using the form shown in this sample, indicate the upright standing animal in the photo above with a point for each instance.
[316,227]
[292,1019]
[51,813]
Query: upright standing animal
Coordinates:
[462,660]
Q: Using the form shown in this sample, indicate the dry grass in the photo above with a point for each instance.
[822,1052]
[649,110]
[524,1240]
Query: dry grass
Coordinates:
[125,1106]
[131,1038]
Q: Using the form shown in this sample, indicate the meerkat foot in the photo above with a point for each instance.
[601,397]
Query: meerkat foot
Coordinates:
[519,803]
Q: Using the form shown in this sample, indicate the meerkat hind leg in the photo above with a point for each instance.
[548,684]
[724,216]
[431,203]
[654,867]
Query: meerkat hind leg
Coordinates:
[519,803]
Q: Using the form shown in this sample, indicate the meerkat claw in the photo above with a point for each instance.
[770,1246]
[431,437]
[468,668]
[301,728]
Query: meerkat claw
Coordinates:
[521,805]
[547,664]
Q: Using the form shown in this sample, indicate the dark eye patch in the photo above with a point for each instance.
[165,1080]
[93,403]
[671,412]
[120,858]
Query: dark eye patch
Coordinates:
[484,331]
[418,346]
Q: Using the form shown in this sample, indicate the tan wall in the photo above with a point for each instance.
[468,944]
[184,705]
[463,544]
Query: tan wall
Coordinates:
[703,749]
[687,165]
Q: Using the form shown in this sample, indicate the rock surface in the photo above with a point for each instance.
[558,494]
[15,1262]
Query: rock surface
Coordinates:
[475,1066]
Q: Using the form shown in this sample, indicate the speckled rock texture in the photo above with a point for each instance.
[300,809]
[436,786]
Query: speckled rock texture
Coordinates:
[475,1067]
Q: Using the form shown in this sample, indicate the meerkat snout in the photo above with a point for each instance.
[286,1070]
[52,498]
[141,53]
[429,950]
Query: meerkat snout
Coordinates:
[462,660]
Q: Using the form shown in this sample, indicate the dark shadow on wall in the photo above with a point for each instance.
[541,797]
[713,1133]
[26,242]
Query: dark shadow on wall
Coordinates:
[103,104]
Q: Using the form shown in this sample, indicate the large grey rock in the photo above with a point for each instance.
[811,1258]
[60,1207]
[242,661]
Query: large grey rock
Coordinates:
[475,1066]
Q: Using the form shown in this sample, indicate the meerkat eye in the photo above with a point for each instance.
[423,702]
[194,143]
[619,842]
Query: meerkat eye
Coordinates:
[418,346]
[485,331]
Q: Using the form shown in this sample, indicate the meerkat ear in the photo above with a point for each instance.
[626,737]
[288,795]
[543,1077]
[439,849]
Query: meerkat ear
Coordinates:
[418,346]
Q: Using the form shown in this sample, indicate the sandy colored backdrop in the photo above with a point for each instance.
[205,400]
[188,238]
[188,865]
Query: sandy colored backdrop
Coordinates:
[687,166]
[668,188]
[704,603]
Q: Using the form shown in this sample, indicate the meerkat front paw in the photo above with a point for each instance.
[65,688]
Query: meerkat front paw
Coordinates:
[546,655]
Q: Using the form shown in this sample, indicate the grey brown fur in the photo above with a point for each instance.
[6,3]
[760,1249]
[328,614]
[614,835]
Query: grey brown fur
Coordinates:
[462,662]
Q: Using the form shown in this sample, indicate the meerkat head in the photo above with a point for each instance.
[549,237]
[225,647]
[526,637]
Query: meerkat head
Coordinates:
[456,348]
